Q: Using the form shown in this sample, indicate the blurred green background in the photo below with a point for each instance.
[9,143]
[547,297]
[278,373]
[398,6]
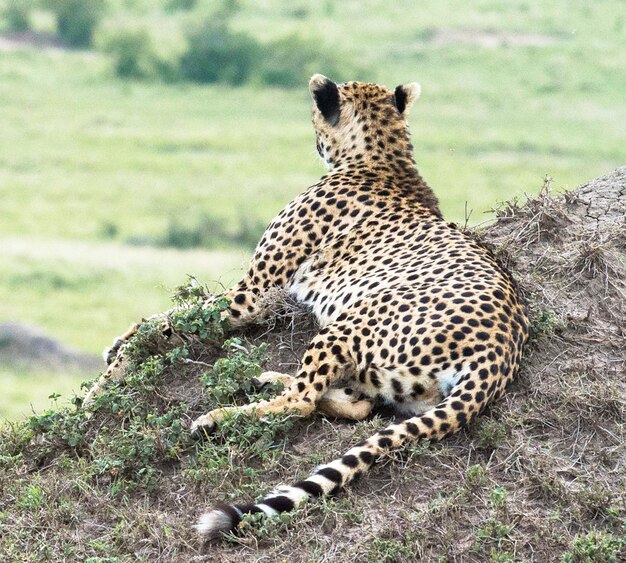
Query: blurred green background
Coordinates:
[144,140]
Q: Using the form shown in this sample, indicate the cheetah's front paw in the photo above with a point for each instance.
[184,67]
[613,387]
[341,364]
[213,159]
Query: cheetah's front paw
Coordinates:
[117,359]
[114,372]
[205,425]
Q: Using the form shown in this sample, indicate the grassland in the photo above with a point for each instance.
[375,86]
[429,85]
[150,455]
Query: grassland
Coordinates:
[23,392]
[511,92]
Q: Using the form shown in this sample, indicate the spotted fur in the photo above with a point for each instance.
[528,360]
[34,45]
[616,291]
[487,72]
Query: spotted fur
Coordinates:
[412,310]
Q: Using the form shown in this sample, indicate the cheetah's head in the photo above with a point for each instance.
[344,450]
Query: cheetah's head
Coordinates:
[359,122]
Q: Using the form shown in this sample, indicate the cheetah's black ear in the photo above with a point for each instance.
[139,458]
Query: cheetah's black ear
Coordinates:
[404,96]
[326,96]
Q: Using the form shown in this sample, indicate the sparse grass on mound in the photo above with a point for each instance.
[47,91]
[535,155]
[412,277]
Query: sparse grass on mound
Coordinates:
[539,477]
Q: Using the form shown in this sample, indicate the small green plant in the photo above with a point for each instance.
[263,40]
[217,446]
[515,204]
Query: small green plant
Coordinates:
[61,427]
[190,293]
[33,498]
[129,456]
[493,535]
[140,433]
[596,547]
[476,476]
[143,377]
[254,437]
[497,497]
[545,322]
[240,440]
[240,437]
[14,436]
[595,499]
[197,314]
[234,374]
[498,555]
[340,507]
[387,550]
[262,526]
[203,322]
[490,434]
[125,456]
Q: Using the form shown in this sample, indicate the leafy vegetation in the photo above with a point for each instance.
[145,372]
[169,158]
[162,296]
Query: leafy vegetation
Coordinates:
[596,547]
[213,50]
[76,20]
[133,54]
[16,13]
[217,54]
[546,322]
[134,436]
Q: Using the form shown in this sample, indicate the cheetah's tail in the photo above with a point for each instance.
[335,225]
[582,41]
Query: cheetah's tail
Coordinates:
[451,414]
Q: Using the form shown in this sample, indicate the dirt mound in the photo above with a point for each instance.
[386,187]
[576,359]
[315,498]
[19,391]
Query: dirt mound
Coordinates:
[569,255]
[29,346]
[541,476]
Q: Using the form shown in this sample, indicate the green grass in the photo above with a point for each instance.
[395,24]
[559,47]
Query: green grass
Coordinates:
[88,162]
[25,393]
[491,122]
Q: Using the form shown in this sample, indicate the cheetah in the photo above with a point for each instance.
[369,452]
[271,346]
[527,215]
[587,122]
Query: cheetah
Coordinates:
[412,311]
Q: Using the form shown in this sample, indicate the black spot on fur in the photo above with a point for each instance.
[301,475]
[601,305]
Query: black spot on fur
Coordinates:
[247,508]
[385,442]
[310,487]
[350,460]
[331,474]
[280,503]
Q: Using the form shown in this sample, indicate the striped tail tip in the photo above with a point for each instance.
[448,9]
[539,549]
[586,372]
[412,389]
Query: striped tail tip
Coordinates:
[226,518]
[217,522]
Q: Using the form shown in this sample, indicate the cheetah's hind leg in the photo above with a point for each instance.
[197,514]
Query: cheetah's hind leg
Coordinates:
[326,361]
[336,403]
[270,377]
